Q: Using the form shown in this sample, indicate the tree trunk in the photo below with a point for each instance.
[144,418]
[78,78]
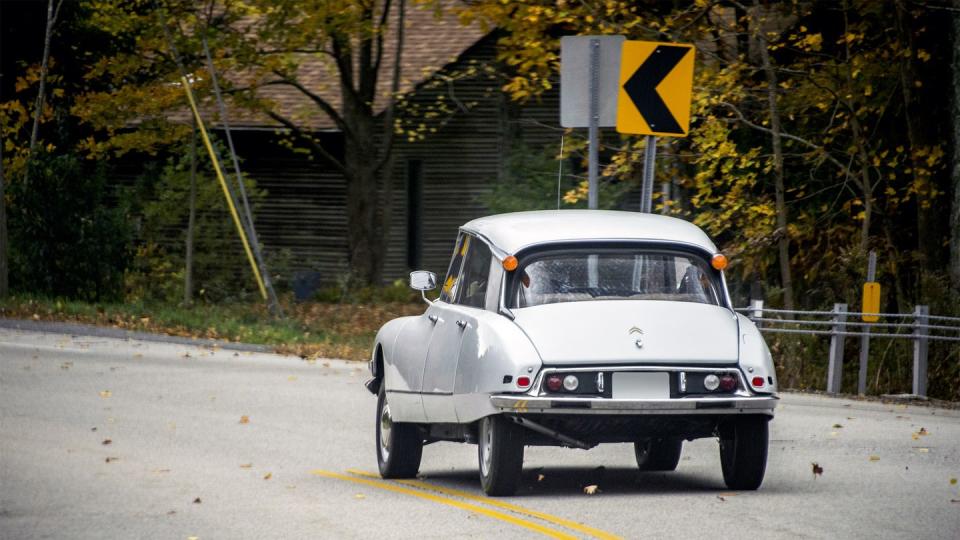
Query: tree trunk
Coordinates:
[783,242]
[191,221]
[955,207]
[44,67]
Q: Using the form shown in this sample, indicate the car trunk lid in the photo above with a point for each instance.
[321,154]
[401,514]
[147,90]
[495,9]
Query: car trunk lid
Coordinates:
[631,331]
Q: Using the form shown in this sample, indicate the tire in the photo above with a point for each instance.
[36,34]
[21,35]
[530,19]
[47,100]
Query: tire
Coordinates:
[500,450]
[743,452]
[658,454]
[399,446]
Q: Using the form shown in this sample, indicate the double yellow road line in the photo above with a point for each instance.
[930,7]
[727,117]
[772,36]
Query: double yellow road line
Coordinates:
[456,498]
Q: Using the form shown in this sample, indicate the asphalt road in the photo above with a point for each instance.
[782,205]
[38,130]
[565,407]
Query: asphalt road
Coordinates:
[105,438]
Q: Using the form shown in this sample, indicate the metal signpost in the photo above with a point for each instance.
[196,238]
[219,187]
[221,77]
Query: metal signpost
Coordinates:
[656,83]
[871,305]
[589,74]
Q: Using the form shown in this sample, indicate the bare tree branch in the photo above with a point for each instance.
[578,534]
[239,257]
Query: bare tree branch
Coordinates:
[317,147]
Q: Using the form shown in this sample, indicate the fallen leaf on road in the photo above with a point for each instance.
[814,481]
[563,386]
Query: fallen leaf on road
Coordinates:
[93,429]
[111,458]
[359,496]
[66,365]
[246,465]
[874,458]
[721,498]
[186,355]
[540,477]
[837,426]
[923,450]
[159,471]
[915,437]
[953,481]
[105,393]
[197,501]
[172,512]
[193,538]
[591,490]
[817,470]
[107,441]
[291,378]
[244,419]
[834,433]
[138,355]
[923,431]
[268,476]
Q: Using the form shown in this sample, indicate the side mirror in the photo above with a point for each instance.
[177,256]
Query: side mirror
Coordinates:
[422,280]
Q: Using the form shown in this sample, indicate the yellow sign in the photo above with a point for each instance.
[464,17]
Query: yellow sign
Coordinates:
[656,81]
[871,301]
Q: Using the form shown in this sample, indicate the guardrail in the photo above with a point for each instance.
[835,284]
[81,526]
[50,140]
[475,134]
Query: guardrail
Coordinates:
[921,332]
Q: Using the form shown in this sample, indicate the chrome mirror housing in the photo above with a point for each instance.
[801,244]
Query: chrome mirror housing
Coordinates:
[423,280]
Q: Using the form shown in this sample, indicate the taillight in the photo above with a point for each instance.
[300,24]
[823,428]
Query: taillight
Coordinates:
[757,381]
[554,383]
[728,383]
[523,382]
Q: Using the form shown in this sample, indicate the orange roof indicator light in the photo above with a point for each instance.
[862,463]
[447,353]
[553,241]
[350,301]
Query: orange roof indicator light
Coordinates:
[510,263]
[719,261]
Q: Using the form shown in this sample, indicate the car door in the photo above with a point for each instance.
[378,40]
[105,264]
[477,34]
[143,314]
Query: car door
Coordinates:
[466,292]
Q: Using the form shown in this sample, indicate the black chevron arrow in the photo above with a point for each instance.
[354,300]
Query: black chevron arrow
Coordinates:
[642,88]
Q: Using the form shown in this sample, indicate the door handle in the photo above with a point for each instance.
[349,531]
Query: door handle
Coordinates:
[462,324]
[433,318]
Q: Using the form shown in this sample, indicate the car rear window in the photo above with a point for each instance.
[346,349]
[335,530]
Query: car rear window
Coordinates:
[615,274]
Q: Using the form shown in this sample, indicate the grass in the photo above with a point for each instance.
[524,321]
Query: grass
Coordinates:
[311,329]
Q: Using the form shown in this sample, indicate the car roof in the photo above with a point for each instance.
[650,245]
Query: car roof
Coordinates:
[513,232]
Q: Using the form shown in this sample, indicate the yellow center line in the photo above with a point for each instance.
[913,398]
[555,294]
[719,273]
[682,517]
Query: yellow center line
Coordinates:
[572,525]
[546,531]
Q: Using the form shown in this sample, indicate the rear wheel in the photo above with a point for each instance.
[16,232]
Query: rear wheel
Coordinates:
[658,454]
[399,446]
[743,451]
[500,449]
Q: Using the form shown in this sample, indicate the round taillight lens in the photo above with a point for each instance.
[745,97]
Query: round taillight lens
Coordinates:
[728,383]
[757,381]
[571,382]
[711,382]
[523,382]
[554,383]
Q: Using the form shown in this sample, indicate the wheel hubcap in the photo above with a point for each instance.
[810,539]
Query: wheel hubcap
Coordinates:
[385,425]
[486,446]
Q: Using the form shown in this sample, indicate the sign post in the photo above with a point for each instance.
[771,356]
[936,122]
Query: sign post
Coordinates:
[656,82]
[589,74]
[871,304]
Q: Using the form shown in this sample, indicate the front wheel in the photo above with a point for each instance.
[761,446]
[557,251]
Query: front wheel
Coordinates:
[658,454]
[743,452]
[501,455]
[399,446]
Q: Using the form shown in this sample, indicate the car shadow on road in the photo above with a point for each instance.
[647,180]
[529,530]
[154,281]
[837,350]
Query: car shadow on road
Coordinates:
[572,481]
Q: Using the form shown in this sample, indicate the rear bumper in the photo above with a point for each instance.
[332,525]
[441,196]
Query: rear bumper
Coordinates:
[559,405]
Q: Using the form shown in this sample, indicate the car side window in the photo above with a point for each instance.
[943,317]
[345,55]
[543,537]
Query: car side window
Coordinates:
[449,290]
[476,273]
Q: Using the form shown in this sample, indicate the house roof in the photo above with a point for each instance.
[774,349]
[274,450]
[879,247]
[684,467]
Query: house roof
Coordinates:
[432,39]
[513,232]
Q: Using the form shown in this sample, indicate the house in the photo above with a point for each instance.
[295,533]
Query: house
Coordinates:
[436,183]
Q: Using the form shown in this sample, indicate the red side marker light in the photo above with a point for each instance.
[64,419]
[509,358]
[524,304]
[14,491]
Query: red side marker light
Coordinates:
[523,382]
[757,381]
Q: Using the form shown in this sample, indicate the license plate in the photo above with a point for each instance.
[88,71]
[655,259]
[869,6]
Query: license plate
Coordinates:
[641,385]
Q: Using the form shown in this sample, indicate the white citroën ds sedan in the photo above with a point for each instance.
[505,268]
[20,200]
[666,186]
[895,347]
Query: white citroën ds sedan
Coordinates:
[575,328]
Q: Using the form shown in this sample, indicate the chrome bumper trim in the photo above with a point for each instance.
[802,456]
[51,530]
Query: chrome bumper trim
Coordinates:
[561,405]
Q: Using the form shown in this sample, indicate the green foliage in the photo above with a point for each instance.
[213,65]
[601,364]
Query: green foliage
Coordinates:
[67,237]
[221,270]
[397,292]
